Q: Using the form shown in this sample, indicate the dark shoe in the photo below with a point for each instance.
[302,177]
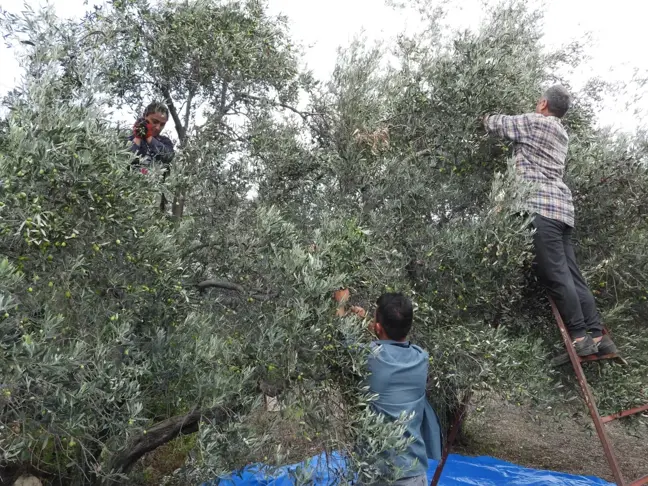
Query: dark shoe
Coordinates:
[606,346]
[585,347]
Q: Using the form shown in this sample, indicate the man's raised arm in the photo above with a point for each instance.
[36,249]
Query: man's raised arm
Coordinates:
[514,128]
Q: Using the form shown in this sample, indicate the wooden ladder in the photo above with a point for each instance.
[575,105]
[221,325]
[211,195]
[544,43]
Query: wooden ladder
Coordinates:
[599,422]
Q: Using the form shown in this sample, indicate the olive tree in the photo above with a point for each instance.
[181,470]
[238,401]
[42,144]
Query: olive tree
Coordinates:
[400,149]
[214,63]
[112,344]
[144,328]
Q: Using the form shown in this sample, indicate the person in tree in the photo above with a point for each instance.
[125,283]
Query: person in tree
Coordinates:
[541,143]
[398,376]
[148,143]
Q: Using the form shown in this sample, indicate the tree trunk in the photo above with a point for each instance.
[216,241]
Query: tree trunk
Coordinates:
[179,201]
[178,205]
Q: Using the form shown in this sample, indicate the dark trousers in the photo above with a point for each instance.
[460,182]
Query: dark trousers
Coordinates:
[558,271]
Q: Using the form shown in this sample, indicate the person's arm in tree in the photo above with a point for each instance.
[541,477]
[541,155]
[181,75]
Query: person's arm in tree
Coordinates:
[141,130]
[515,128]
[138,146]
[342,298]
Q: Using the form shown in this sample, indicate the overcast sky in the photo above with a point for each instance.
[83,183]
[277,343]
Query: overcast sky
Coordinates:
[618,30]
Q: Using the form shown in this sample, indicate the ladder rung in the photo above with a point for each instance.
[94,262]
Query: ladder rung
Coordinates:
[639,482]
[624,413]
[613,356]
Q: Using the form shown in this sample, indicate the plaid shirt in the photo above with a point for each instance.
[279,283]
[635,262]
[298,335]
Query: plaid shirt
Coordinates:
[540,153]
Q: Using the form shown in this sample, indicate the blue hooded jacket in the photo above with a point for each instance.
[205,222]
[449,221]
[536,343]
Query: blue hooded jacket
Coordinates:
[399,378]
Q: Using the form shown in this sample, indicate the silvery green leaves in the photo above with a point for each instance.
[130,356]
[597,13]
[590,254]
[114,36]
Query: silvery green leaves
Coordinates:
[99,292]
[380,179]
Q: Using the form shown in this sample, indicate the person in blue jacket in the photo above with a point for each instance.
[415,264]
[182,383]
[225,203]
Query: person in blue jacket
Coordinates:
[399,371]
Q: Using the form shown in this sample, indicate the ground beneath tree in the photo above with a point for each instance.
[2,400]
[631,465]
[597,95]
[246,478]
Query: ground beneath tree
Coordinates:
[562,441]
[558,442]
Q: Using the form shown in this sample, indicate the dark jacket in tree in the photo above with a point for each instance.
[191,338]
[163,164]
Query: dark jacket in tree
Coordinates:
[159,150]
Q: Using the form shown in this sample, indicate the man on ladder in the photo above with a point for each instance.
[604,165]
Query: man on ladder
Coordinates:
[540,143]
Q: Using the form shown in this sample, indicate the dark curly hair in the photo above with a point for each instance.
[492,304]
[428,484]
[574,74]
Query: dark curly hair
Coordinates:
[394,313]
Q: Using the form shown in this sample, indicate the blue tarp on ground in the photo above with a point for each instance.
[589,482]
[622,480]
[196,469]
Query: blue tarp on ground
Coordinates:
[459,471]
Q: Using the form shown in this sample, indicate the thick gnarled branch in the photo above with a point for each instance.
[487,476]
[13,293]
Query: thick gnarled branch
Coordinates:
[160,434]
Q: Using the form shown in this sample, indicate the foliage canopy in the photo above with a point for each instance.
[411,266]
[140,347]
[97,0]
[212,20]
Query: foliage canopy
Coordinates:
[122,327]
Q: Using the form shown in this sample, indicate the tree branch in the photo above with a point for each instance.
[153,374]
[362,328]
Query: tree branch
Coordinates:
[220,285]
[160,434]
[179,200]
[174,113]
[223,100]
[188,252]
[188,110]
[416,155]
[303,114]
